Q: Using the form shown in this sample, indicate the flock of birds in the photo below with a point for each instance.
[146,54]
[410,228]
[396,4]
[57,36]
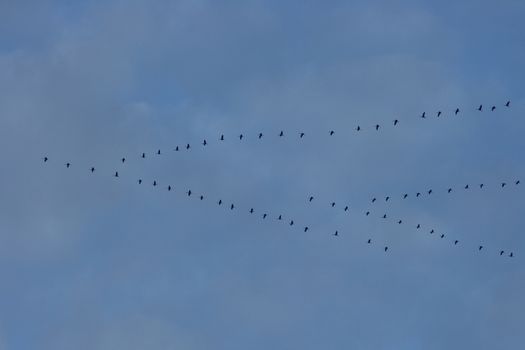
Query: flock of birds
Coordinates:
[280,217]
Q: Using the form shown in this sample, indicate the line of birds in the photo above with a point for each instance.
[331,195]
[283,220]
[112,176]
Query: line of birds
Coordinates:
[280,217]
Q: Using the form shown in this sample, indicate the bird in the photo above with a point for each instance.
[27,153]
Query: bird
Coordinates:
[387,198]
[177,149]
[46,159]
[511,254]
[400,222]
[456,242]
[260,135]
[188,146]
[240,137]
[232,206]
[480,108]
[201,197]
[492,108]
[396,122]
[418,194]
[432,231]
[158,152]
[358,128]
[154,183]
[377,127]
[332,132]
[222,138]
[265,215]
[442,235]
[480,247]
[507,104]
[204,143]
[305,228]
[311,198]
[92,169]
[367,213]
[373,200]
[291,223]
[333,204]
[346,208]
[68,165]
[466,186]
[503,184]
[481,185]
[386,248]
[143,155]
[169,187]
[423,115]
[123,160]
[140,181]
[336,233]
[281,134]
[457,111]
[439,114]
[301,135]
[517,182]
[418,226]
[280,217]
[430,191]
[501,252]
[251,211]
[189,193]
[369,241]
[384,216]
[405,196]
[449,190]
[220,201]
[116,173]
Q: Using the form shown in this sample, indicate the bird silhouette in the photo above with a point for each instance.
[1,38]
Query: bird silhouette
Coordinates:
[517,182]
[177,149]
[358,128]
[466,186]
[387,198]
[373,200]
[189,193]
[154,183]
[251,211]
[511,254]
[418,226]
[456,242]
[492,108]
[123,160]
[457,111]
[169,188]
[405,196]
[68,165]
[240,137]
[143,155]
[291,223]
[384,216]
[220,201]
[442,235]
[46,159]
[280,217]
[332,133]
[116,173]
[188,146]
[439,114]
[311,198]
[507,104]
[480,108]
[449,190]
[377,127]
[305,228]
[222,138]
[367,213]
[501,252]
[369,241]
[481,185]
[301,135]
[158,152]
[265,215]
[201,197]
[260,135]
[336,233]
[432,231]
[396,122]
[418,194]
[232,206]
[386,248]
[430,191]
[480,247]
[204,143]
[333,204]
[281,134]
[423,115]
[346,208]
[140,181]
[503,184]
[400,222]
[92,169]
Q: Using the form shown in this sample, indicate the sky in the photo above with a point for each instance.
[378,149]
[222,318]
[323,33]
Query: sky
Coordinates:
[91,261]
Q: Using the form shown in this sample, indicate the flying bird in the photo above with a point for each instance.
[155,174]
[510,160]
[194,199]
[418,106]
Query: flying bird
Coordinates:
[220,201]
[280,217]
[301,135]
[222,138]
[442,235]
[333,204]
[423,115]
[188,145]
[358,128]
[449,190]
[291,223]
[480,247]
[140,181]
[265,215]
[418,194]
[430,191]
[367,213]
[507,104]
[400,222]
[240,137]
[251,211]
[281,134]
[369,241]
[232,206]
[332,133]
[511,254]
[418,226]
[346,208]
[517,182]
[439,114]
[336,233]
[123,160]
[68,165]
[384,216]
[503,184]
[177,149]
[311,198]
[204,143]
[189,193]
[405,196]
[158,152]
[480,108]
[377,127]
[466,186]
[143,155]
[92,169]
[432,231]
[386,248]
[481,185]
[456,242]
[154,183]
[201,197]
[373,200]
[501,252]
[305,228]
[116,173]
[457,111]
[396,122]
[387,198]
[169,187]
[260,135]
[45,159]
[492,108]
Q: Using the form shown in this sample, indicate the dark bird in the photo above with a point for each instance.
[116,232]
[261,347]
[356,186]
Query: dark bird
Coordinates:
[418,226]
[68,165]
[123,160]
[377,126]
[332,133]
[358,128]
[449,190]
[373,200]
[480,108]
[423,115]
[367,213]
[396,122]
[456,242]
[251,211]
[311,198]
[457,111]
[143,155]
[507,104]
[204,143]
[240,137]
[189,193]
[140,181]
[387,198]
[220,201]
[45,159]
[481,185]
[480,247]
[503,184]
[301,135]
[418,194]
[264,216]
[336,233]
[169,188]
[92,169]
[386,248]
[442,235]
[333,204]
[232,206]
[432,231]
[492,108]
[346,208]
[291,223]
[400,222]
[260,135]
[201,197]
[369,241]
[305,228]
[511,254]
[188,146]
[517,182]
[280,217]
[439,114]
[501,252]
[177,149]
[405,196]
[384,216]
[281,134]
[222,138]
[466,186]
[158,152]
[430,191]
[154,183]
[116,173]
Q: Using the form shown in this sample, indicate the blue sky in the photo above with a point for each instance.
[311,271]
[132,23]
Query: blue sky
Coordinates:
[88,261]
